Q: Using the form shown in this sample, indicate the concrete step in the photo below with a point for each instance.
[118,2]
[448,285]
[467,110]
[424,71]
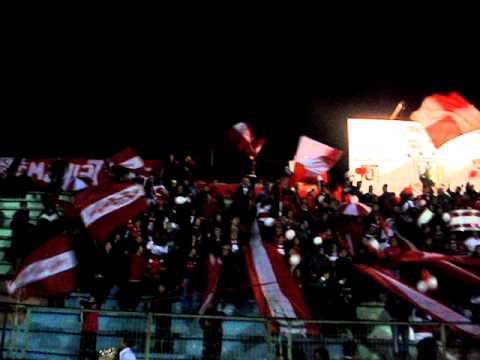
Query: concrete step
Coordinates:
[7,204]
[9,213]
[5,232]
[5,268]
[7,222]
[5,244]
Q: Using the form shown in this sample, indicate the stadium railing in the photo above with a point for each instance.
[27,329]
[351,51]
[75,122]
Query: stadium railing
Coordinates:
[31,332]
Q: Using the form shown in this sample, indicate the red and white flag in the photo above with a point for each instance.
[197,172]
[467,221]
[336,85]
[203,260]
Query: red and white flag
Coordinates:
[128,159]
[421,301]
[275,291]
[5,163]
[465,220]
[445,117]
[313,159]
[49,270]
[241,135]
[213,271]
[108,206]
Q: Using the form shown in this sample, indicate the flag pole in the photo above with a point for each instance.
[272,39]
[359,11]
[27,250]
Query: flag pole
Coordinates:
[398,109]
[254,166]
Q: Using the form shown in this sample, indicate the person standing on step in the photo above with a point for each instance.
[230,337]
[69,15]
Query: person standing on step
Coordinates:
[20,226]
[212,334]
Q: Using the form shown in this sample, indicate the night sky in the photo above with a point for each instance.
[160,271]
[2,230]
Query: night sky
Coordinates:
[85,100]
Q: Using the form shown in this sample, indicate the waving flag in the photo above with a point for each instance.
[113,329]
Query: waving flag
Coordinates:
[274,289]
[447,116]
[421,301]
[48,270]
[128,159]
[241,135]
[108,206]
[313,159]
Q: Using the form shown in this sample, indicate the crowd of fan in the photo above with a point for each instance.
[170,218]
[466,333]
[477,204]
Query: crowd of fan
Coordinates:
[164,253]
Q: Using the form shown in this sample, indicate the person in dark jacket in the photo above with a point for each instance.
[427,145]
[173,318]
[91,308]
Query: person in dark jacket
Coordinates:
[89,330]
[399,310]
[20,226]
[212,334]
[242,198]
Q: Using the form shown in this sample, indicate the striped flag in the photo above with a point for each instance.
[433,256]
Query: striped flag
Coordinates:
[465,220]
[274,289]
[421,301]
[445,117]
[241,135]
[49,270]
[108,206]
[128,159]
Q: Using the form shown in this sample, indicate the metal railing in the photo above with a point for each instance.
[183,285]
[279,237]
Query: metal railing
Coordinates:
[30,332]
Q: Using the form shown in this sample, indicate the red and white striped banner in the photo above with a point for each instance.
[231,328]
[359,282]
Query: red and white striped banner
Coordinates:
[465,220]
[275,292]
[128,159]
[87,170]
[49,270]
[108,206]
[421,301]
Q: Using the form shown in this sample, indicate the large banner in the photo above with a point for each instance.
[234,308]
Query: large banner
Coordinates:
[397,153]
[38,170]
[89,170]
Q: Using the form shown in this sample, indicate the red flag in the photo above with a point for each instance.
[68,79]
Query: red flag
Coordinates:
[79,173]
[275,291]
[241,135]
[447,116]
[435,309]
[49,270]
[313,159]
[128,159]
[108,206]
[454,271]
[5,163]
[213,270]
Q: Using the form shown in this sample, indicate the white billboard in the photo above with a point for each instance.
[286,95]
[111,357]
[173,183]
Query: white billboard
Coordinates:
[397,152]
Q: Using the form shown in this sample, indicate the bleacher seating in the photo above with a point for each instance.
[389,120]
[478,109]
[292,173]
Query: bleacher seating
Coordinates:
[8,206]
[54,333]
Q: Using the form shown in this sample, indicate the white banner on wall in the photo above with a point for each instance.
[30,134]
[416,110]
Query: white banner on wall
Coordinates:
[397,152]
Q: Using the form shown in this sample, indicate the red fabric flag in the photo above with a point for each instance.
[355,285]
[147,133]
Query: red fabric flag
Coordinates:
[454,271]
[128,159]
[313,159]
[435,309]
[106,207]
[447,116]
[241,135]
[49,270]
[78,175]
[275,291]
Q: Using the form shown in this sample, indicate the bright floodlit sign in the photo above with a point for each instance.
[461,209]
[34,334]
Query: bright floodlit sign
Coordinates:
[396,153]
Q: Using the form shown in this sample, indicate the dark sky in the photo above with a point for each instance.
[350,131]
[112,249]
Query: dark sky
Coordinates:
[76,98]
